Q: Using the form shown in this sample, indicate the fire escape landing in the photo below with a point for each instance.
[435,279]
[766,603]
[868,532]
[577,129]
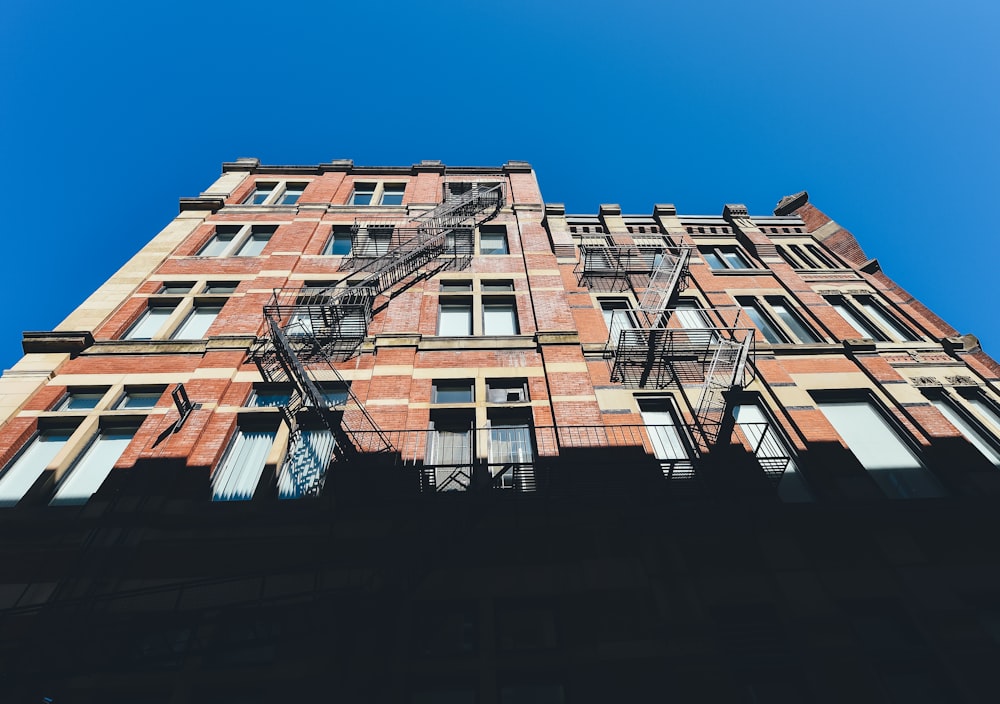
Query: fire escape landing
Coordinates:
[308,330]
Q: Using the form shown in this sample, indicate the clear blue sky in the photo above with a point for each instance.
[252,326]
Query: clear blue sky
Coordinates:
[887,112]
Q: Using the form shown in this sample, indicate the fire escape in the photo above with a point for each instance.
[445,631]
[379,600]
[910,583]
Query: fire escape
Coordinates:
[653,348]
[308,330]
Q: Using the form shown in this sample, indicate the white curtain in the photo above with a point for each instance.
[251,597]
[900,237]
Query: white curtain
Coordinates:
[306,464]
[239,472]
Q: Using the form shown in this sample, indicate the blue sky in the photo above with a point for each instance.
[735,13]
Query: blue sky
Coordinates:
[886,112]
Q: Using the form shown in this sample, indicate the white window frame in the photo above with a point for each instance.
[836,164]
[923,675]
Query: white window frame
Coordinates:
[379,190]
[277,192]
[500,316]
[339,233]
[767,308]
[721,254]
[450,325]
[240,239]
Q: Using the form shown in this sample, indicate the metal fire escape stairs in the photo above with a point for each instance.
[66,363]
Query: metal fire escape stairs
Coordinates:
[647,352]
[306,329]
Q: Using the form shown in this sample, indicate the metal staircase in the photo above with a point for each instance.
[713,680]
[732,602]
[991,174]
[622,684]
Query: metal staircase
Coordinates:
[308,330]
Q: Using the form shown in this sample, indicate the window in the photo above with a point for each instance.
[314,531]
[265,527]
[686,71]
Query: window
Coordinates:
[197,323]
[454,189]
[986,410]
[92,467]
[373,241]
[493,240]
[176,287]
[149,323]
[292,194]
[772,451]
[511,448]
[618,316]
[28,466]
[454,285]
[870,319]
[239,472]
[449,447]
[221,287]
[392,194]
[454,317]
[81,400]
[268,397]
[668,444]
[363,193]
[275,193]
[452,391]
[305,468]
[776,319]
[499,318]
[890,461]
[340,241]
[135,399]
[507,390]
[725,257]
[969,429]
[237,240]
[498,285]
[261,193]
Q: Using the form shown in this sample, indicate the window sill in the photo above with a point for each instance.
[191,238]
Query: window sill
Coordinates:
[481,342]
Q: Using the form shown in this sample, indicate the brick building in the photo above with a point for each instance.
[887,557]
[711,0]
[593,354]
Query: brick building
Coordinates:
[413,434]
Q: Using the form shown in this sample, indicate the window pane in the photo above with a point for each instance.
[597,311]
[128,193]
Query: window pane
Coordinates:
[217,245]
[735,260]
[447,285]
[260,194]
[455,319]
[221,287]
[239,472]
[255,245]
[306,465]
[499,319]
[789,318]
[176,287]
[895,330]
[492,243]
[663,434]
[197,323]
[392,194]
[363,194]
[986,411]
[81,401]
[292,194]
[139,399]
[268,399]
[498,285]
[340,245]
[970,431]
[30,464]
[890,461]
[453,392]
[510,442]
[769,445]
[770,333]
[148,324]
[92,468]
[861,326]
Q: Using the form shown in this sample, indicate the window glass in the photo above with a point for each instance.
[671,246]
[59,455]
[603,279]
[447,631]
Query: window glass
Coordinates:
[80,401]
[970,431]
[713,261]
[255,243]
[492,242]
[767,329]
[148,324]
[893,328]
[860,325]
[260,398]
[499,319]
[261,193]
[735,260]
[219,243]
[237,475]
[889,460]
[663,433]
[986,411]
[791,319]
[306,465]
[392,193]
[339,244]
[363,193]
[618,317]
[292,194]
[221,287]
[768,445]
[455,319]
[138,399]
[449,285]
[92,468]
[30,464]
[498,285]
[177,287]
[453,391]
[197,323]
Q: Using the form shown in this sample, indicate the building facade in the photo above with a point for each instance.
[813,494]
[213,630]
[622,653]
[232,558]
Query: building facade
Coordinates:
[413,434]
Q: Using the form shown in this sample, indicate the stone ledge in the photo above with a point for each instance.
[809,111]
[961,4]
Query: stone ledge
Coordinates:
[210,203]
[73,341]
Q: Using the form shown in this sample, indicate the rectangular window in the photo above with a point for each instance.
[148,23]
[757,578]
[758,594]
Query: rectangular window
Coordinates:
[363,193]
[768,329]
[148,324]
[618,316]
[454,318]
[340,241]
[137,399]
[221,287]
[260,194]
[498,285]
[81,400]
[986,410]
[725,257]
[392,194]
[499,318]
[28,466]
[507,391]
[255,243]
[452,391]
[176,287]
[221,242]
[493,240]
[304,470]
[268,397]
[968,428]
[772,451]
[92,467]
[890,326]
[197,323]
[787,315]
[668,445]
[238,474]
[292,194]
[511,448]
[874,323]
[449,447]
[691,316]
[455,285]
[890,461]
